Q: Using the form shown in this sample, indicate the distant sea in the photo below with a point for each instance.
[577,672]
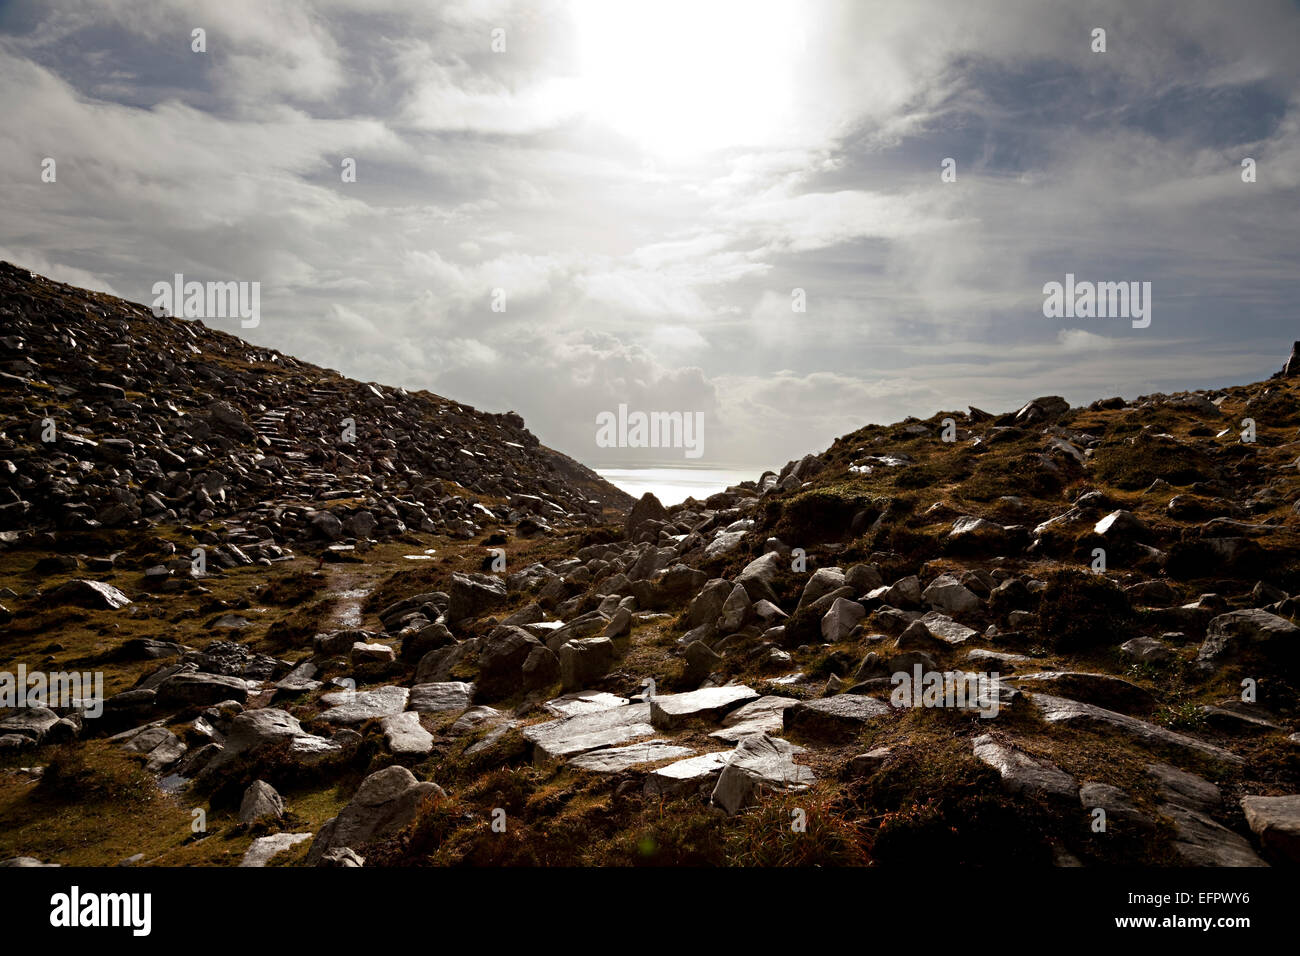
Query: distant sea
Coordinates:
[674,485]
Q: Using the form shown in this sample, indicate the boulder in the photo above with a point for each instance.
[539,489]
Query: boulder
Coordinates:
[386,802]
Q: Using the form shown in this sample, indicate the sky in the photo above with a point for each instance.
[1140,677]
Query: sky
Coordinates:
[647,191]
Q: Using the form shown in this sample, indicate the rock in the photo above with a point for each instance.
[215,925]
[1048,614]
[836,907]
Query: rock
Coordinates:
[759,575]
[253,730]
[95,595]
[706,607]
[833,718]
[363,653]
[947,630]
[1101,689]
[1148,650]
[1200,840]
[759,763]
[701,661]
[1184,789]
[692,775]
[620,624]
[24,861]
[334,643]
[386,803]
[864,765]
[1118,806]
[646,510]
[440,697]
[736,610]
[342,857]
[1230,636]
[501,661]
[1077,713]
[1275,821]
[30,722]
[1025,775]
[670,711]
[558,740]
[946,593]
[584,702]
[261,803]
[584,662]
[473,594]
[840,620]
[350,708]
[762,716]
[404,734]
[615,759]
[193,689]
[263,849]
[822,582]
[1121,526]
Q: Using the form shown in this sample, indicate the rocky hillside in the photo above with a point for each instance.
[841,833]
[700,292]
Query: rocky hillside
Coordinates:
[1053,636]
[111,417]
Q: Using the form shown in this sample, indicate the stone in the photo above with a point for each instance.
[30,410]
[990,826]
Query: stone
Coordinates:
[1059,710]
[263,849]
[670,711]
[615,759]
[1147,650]
[253,730]
[558,740]
[646,510]
[759,763]
[1024,775]
[350,708]
[261,803]
[1183,788]
[585,661]
[947,630]
[1275,821]
[440,697]
[95,595]
[762,716]
[1199,840]
[1117,804]
[405,736]
[473,594]
[833,718]
[840,620]
[946,593]
[759,576]
[583,702]
[363,653]
[1229,636]
[692,775]
[1101,689]
[193,689]
[386,803]
[864,765]
[501,661]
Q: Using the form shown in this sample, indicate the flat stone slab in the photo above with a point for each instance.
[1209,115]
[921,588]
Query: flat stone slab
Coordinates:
[264,848]
[614,759]
[947,630]
[1200,840]
[762,716]
[476,718]
[559,740]
[348,707]
[671,711]
[1102,690]
[440,697]
[583,702]
[1275,821]
[686,776]
[1024,775]
[757,764]
[404,734]
[1059,710]
[832,718]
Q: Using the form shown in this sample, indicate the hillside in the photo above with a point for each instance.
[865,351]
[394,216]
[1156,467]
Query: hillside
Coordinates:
[509,663]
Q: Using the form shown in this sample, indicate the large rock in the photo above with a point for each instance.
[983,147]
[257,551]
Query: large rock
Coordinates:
[833,718]
[839,622]
[669,711]
[616,759]
[762,716]
[584,662]
[404,734]
[946,593]
[1059,710]
[254,730]
[759,576]
[1024,775]
[558,740]
[759,763]
[644,511]
[1275,822]
[473,594]
[88,594]
[1101,689]
[384,804]
[201,690]
[501,661]
[692,775]
[440,697]
[349,708]
[261,803]
[1232,635]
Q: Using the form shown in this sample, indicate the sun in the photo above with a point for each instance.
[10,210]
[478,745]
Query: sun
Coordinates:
[685,77]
